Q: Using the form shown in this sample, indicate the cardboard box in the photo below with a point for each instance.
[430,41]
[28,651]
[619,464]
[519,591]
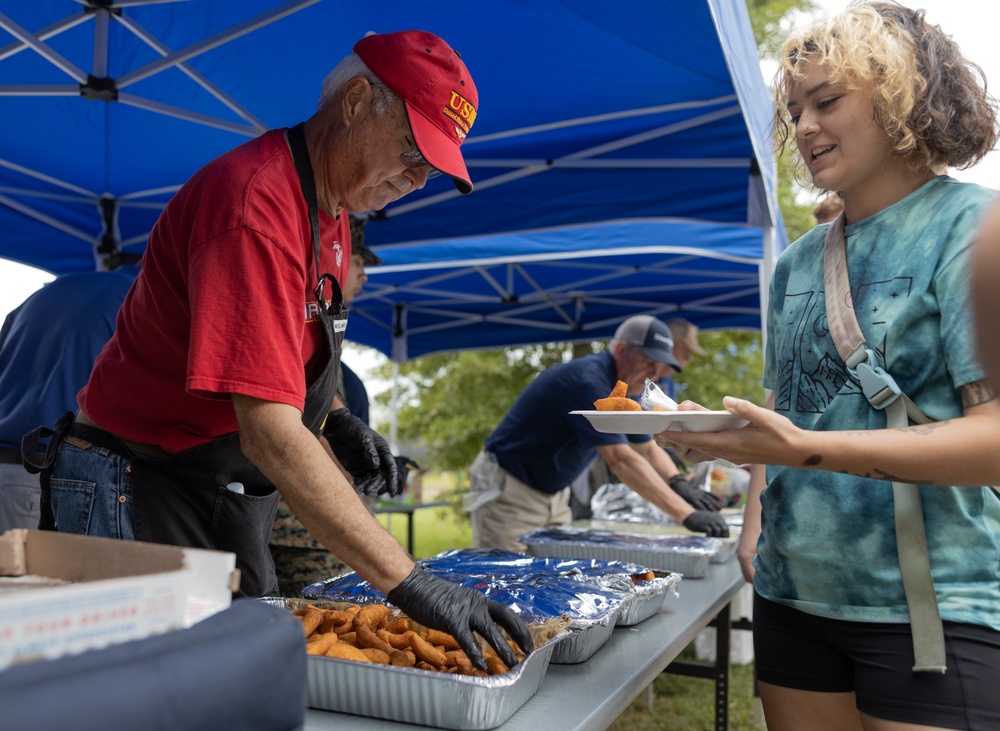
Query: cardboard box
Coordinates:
[116,591]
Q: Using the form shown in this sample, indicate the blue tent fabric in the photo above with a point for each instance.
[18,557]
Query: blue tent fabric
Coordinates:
[622,159]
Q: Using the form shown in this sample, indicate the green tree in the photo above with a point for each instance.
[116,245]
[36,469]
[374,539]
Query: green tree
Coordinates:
[771,19]
[732,366]
[451,402]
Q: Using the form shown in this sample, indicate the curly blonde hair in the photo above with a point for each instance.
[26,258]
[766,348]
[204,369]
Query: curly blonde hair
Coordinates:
[930,100]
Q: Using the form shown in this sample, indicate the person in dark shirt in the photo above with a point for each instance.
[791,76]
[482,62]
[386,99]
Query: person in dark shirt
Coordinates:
[47,348]
[520,481]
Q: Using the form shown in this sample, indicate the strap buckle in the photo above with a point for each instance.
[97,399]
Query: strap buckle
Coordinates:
[877,385]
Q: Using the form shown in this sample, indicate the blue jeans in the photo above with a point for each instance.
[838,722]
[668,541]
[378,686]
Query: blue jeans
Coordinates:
[91,492]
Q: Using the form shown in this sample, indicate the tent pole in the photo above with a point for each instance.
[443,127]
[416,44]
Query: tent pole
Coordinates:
[393,414]
[766,272]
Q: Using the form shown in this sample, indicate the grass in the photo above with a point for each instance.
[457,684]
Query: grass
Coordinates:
[687,704]
[679,703]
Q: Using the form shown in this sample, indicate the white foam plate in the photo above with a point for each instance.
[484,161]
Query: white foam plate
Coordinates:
[654,422]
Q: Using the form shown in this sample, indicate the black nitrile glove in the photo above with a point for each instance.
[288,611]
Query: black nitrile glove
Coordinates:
[363,452]
[697,499]
[708,522]
[403,466]
[460,611]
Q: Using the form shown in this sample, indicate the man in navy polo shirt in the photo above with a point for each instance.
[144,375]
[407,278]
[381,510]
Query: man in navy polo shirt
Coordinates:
[520,481]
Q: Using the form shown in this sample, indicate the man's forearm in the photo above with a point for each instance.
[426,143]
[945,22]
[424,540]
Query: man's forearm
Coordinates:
[644,480]
[273,438]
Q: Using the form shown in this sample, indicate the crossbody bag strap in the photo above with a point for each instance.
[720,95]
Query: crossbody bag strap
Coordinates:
[882,393]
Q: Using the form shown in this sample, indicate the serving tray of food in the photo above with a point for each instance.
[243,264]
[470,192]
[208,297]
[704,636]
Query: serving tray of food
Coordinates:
[689,556]
[594,595]
[422,679]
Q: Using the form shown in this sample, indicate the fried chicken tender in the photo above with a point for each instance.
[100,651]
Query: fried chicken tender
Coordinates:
[311,618]
[367,638]
[437,637]
[368,634]
[371,615]
[427,652]
[616,404]
[458,659]
[496,666]
[376,655]
[617,400]
[347,652]
[402,658]
[396,641]
[319,644]
[398,626]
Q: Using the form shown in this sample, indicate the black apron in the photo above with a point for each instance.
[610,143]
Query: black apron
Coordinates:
[183,499]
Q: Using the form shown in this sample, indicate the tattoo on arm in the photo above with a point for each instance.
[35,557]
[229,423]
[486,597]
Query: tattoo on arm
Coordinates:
[974,394]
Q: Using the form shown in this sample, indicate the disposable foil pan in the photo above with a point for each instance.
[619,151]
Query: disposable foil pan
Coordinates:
[727,550]
[727,546]
[647,598]
[583,640]
[656,552]
[423,697]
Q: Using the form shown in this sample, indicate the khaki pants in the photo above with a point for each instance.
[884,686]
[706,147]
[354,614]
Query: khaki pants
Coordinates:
[517,510]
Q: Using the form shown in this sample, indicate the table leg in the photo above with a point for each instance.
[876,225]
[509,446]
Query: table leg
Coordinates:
[717,671]
[722,669]
[409,531]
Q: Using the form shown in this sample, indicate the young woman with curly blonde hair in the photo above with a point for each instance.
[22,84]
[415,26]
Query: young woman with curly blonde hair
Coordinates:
[879,103]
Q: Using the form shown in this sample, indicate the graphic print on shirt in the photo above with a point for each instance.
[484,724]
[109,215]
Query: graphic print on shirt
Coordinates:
[811,372]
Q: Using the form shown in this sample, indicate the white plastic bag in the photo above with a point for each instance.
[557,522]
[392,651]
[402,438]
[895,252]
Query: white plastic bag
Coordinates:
[653,398]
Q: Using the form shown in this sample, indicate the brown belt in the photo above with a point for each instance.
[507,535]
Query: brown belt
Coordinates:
[150,450]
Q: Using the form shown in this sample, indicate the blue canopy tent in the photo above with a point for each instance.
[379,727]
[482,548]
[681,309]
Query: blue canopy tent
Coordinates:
[621,156]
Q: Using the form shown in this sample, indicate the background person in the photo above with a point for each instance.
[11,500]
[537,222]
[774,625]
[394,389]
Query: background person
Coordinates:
[47,348]
[206,406]
[351,391]
[520,481]
[686,346]
[877,100]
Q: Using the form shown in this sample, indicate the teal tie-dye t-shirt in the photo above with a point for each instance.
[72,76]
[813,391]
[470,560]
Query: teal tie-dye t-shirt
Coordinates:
[828,543]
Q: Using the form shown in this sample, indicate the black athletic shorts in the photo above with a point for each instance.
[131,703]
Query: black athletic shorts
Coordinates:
[874,660]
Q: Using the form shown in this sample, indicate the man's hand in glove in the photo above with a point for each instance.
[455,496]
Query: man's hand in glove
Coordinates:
[697,499]
[711,523]
[363,452]
[460,611]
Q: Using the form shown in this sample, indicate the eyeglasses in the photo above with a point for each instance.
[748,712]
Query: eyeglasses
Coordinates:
[413,158]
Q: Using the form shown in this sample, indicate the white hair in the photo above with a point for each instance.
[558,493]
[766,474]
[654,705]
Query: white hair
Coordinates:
[351,67]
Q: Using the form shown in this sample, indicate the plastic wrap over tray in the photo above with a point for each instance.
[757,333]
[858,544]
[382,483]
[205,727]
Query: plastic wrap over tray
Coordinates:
[687,555]
[428,698]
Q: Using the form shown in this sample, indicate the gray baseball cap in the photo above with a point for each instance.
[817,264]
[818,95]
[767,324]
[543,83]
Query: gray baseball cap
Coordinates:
[652,335]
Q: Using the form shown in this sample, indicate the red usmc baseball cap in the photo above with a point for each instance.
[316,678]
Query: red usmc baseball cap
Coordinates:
[440,96]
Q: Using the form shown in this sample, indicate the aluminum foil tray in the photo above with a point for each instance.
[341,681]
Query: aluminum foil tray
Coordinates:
[647,599]
[727,550]
[582,642]
[422,697]
[727,546]
[687,555]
